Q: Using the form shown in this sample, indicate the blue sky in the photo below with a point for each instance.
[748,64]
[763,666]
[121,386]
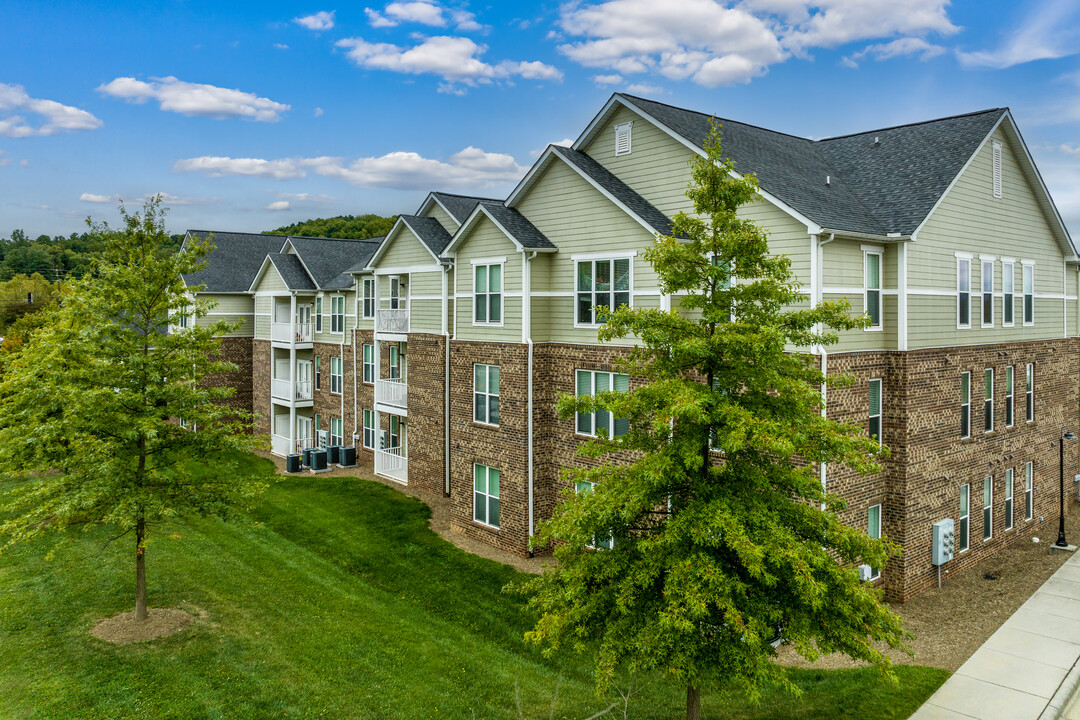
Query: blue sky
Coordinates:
[252,115]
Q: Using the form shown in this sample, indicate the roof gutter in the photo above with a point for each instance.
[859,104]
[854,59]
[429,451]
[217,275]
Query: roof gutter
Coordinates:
[887,238]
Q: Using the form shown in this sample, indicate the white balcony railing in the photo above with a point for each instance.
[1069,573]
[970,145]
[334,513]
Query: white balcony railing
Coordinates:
[393,321]
[279,445]
[286,333]
[393,464]
[392,392]
[279,389]
[303,390]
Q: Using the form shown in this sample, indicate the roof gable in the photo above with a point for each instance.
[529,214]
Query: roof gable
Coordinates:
[234,261]
[288,268]
[515,226]
[402,228]
[328,260]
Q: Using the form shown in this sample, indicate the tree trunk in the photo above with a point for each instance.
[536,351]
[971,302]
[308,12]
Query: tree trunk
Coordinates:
[693,703]
[140,570]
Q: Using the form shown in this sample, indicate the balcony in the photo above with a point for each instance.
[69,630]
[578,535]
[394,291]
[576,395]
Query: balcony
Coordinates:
[288,334]
[393,321]
[280,445]
[393,393]
[287,391]
[392,463]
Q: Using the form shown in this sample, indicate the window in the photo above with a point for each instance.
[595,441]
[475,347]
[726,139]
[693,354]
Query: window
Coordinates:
[486,495]
[1029,491]
[486,394]
[1009,499]
[875,409]
[335,431]
[395,432]
[369,429]
[963,292]
[965,405]
[1008,277]
[987,293]
[1029,400]
[873,529]
[872,297]
[1029,294]
[997,169]
[335,375]
[601,283]
[622,138]
[318,314]
[1009,373]
[337,313]
[318,431]
[318,372]
[988,508]
[988,400]
[600,423]
[597,543]
[369,364]
[965,497]
[487,294]
[395,292]
[395,362]
[369,298]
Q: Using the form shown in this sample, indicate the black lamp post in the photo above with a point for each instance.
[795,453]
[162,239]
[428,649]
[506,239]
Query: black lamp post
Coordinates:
[1061,541]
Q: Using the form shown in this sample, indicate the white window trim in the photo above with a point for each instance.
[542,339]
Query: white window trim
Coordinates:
[340,375]
[487,477]
[988,479]
[1025,264]
[875,573]
[487,394]
[367,289]
[1010,396]
[364,364]
[1029,491]
[1029,390]
[880,252]
[333,298]
[1010,501]
[317,311]
[592,393]
[593,257]
[626,127]
[616,255]
[966,487]
[987,430]
[959,258]
[341,434]
[983,260]
[488,261]
[502,294]
[881,408]
[1011,264]
[966,373]
[367,428]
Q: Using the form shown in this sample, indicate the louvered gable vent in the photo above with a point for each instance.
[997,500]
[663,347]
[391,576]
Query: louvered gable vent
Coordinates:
[997,169]
[622,138]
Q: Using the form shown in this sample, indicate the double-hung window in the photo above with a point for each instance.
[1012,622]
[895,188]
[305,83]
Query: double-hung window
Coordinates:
[1010,372]
[486,495]
[988,508]
[987,279]
[394,436]
[963,292]
[487,294]
[318,314]
[337,313]
[873,529]
[369,364]
[965,404]
[335,374]
[601,284]
[1029,293]
[486,394]
[369,429]
[395,293]
[988,400]
[1009,499]
[600,423]
[1029,392]
[1029,491]
[369,297]
[318,372]
[335,431]
[965,517]
[1008,280]
[875,409]
[584,486]
[872,297]
[395,362]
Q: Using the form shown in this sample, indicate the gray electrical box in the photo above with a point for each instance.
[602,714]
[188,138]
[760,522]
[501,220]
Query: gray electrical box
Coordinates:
[944,541]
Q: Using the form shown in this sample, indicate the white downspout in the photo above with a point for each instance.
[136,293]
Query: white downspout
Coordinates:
[292,373]
[446,378]
[824,353]
[378,372]
[526,337]
[356,324]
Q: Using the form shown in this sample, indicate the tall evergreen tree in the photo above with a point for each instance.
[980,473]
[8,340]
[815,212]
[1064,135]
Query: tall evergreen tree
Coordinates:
[718,534]
[89,404]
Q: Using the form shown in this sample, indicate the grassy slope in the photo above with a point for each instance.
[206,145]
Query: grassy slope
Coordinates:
[343,604]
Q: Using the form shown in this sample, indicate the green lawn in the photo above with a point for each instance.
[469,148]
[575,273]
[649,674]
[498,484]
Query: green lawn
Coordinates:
[341,604]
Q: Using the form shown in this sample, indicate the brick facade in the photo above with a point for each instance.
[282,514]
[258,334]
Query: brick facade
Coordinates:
[260,384]
[426,377]
[236,350]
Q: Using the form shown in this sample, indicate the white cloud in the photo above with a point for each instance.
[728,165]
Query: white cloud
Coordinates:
[714,44]
[1051,31]
[454,59]
[1070,149]
[24,163]
[470,168]
[319,21]
[465,21]
[166,198]
[607,79]
[378,20]
[4,161]
[318,112]
[195,98]
[897,48]
[644,89]
[58,118]
[92,198]
[306,198]
[281,46]
[277,205]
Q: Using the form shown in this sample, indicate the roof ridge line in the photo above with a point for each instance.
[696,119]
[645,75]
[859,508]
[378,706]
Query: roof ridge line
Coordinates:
[717,117]
[914,124]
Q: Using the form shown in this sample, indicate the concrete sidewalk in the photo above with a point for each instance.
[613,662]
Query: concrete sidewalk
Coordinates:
[1028,669]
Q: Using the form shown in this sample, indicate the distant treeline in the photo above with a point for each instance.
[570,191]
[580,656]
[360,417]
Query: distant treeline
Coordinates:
[355,227]
[54,258]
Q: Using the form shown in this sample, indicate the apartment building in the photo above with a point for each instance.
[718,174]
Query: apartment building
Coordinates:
[448,342]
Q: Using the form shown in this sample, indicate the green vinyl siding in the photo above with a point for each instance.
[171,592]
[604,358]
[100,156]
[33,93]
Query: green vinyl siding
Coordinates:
[486,241]
[263,309]
[843,276]
[436,211]
[271,281]
[425,316]
[234,304]
[970,219]
[404,249]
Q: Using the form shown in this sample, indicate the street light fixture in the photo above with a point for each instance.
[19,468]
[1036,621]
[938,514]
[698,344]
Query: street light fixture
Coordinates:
[1061,541]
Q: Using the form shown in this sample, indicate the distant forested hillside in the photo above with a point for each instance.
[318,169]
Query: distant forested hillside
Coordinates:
[355,227]
[54,258]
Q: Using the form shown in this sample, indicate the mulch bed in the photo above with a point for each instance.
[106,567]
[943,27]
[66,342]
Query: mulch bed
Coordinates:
[124,628]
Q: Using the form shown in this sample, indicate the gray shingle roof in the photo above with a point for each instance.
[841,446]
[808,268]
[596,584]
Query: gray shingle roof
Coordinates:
[234,261]
[526,234]
[460,206]
[888,188]
[291,271]
[429,230]
[641,207]
[361,264]
[329,260]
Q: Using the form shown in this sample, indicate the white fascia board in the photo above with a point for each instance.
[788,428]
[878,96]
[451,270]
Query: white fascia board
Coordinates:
[587,135]
[391,237]
[303,264]
[262,271]
[512,198]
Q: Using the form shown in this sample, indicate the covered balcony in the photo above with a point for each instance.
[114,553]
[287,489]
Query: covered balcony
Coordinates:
[393,321]
[392,463]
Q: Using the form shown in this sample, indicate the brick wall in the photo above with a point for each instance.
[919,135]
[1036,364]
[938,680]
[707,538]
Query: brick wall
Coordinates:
[426,378]
[236,350]
[328,404]
[365,394]
[260,385]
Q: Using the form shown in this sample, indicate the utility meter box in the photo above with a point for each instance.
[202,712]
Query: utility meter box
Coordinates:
[944,541]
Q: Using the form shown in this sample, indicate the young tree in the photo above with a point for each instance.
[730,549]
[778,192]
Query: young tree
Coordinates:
[718,532]
[89,404]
